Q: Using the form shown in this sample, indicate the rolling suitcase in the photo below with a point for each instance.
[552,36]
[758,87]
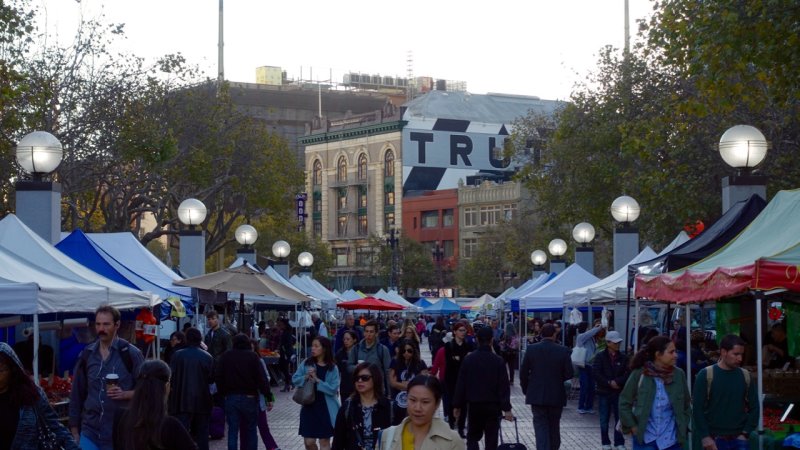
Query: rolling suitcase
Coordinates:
[216,423]
[510,446]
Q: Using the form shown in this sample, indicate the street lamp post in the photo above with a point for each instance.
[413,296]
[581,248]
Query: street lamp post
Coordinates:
[246,236]
[625,211]
[538,258]
[392,241]
[557,248]
[281,250]
[583,233]
[192,255]
[437,252]
[38,201]
[305,259]
[742,147]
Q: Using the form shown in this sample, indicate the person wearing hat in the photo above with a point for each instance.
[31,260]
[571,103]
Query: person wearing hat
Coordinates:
[610,371]
[482,389]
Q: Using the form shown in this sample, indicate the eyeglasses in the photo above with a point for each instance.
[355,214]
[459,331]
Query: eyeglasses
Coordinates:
[409,350]
[363,378]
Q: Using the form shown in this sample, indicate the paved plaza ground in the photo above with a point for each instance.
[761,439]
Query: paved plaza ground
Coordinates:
[578,432]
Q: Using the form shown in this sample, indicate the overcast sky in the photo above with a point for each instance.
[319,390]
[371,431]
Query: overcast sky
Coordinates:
[527,47]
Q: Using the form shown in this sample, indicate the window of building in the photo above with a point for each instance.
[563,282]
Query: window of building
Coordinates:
[362,167]
[317,178]
[317,205]
[509,211]
[342,199]
[388,164]
[447,218]
[341,170]
[470,248]
[340,257]
[362,200]
[470,216]
[388,222]
[430,219]
[318,229]
[449,249]
[341,229]
[363,229]
[490,215]
[389,198]
[364,257]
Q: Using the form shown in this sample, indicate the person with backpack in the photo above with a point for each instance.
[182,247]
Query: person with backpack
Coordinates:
[96,395]
[655,404]
[370,350]
[725,401]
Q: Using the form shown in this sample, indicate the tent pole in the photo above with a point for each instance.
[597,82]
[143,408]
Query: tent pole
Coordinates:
[241,312]
[628,321]
[760,361]
[689,359]
[36,348]
[636,329]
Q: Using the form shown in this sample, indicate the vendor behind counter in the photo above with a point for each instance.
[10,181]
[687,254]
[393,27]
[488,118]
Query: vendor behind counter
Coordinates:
[776,348]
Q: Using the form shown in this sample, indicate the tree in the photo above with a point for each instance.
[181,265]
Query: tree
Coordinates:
[140,138]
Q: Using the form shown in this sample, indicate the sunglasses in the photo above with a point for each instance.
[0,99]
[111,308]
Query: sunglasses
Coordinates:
[409,350]
[363,378]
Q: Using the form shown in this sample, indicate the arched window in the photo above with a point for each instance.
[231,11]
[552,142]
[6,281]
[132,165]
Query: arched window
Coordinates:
[388,164]
[341,170]
[317,177]
[362,167]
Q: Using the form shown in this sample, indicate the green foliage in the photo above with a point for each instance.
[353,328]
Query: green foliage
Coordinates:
[646,124]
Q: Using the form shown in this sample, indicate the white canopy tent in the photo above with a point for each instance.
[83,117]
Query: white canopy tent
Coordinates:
[606,290]
[550,296]
[63,284]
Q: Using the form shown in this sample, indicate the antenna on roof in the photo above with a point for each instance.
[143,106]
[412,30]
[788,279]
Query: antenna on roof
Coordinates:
[410,75]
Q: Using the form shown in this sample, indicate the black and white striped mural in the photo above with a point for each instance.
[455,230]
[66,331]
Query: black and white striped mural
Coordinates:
[438,152]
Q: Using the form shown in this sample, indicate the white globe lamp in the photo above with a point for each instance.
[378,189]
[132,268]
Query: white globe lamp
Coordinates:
[557,248]
[281,249]
[39,153]
[625,209]
[583,233]
[192,212]
[246,235]
[743,147]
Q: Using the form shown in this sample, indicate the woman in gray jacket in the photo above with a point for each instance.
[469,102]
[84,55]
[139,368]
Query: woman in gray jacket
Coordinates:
[26,418]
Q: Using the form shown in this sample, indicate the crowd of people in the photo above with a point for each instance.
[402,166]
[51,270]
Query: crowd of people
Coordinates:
[368,388]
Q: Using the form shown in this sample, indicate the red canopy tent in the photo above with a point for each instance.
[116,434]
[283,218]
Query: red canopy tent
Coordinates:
[370,303]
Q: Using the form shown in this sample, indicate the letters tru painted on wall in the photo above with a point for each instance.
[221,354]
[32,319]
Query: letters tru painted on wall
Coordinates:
[448,149]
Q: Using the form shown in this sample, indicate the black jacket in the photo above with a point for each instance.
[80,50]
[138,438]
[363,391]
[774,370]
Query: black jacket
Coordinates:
[605,372]
[454,355]
[545,368]
[192,372]
[239,371]
[349,424]
[483,379]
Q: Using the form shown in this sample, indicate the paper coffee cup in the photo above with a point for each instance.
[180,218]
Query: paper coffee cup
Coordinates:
[112,380]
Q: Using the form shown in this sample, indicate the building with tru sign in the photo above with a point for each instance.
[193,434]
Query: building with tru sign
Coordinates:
[362,169]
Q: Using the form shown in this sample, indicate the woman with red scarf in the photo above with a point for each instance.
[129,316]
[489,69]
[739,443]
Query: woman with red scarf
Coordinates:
[655,403]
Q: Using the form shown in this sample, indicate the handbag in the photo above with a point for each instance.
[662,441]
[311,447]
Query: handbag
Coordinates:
[305,395]
[579,356]
[48,440]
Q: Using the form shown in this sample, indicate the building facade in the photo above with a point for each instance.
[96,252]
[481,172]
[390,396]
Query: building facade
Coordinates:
[352,176]
[486,205]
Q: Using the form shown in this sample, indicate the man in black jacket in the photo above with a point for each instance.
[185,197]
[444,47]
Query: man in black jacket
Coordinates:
[454,353]
[483,385]
[545,368]
[610,371]
[189,397]
[240,379]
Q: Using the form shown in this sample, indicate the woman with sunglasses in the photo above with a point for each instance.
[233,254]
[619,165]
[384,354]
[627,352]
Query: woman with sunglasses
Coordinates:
[421,430]
[317,419]
[364,413]
[406,366]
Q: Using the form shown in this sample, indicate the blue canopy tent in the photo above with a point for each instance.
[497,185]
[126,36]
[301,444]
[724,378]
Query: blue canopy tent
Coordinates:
[422,302]
[443,306]
[121,258]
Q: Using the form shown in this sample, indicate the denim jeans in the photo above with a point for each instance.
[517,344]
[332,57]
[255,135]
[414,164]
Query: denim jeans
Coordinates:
[242,411]
[608,405]
[652,446]
[733,444]
[586,397]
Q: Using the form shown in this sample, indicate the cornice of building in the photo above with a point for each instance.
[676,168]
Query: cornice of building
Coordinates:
[368,130]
